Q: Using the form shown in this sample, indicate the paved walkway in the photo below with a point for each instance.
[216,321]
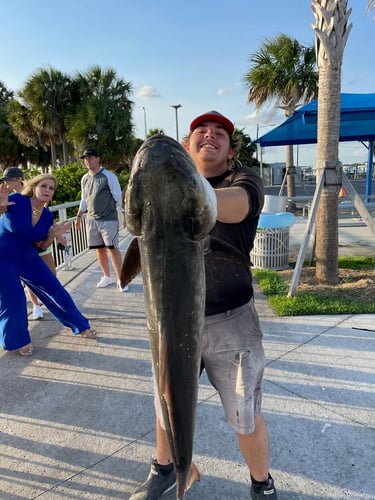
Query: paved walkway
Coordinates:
[77,418]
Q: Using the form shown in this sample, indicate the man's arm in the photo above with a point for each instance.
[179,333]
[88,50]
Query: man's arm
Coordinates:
[115,188]
[82,206]
[232,204]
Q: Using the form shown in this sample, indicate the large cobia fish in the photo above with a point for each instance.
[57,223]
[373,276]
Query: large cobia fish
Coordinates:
[171,208]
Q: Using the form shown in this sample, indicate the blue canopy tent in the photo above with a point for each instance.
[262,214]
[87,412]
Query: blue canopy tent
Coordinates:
[357,123]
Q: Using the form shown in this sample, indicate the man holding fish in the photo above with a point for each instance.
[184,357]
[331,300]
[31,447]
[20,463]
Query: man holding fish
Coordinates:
[231,352]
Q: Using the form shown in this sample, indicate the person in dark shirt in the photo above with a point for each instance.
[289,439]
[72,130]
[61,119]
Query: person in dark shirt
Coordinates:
[232,350]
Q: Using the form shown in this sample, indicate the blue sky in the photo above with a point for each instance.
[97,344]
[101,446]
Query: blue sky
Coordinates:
[194,53]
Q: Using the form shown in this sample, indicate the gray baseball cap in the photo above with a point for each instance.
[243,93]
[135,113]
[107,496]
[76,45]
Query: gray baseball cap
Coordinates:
[89,152]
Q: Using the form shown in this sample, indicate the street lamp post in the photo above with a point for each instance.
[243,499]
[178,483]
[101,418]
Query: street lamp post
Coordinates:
[257,135]
[176,107]
[144,121]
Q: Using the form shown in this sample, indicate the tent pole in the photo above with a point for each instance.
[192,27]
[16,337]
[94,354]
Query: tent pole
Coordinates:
[283,183]
[370,161]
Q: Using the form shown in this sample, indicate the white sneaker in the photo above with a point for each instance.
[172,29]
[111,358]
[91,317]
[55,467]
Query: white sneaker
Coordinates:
[120,289]
[37,312]
[105,281]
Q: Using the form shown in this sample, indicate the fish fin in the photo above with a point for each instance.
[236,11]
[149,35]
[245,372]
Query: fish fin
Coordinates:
[131,265]
[163,385]
[194,475]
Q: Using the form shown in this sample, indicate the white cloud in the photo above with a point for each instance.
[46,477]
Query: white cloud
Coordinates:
[227,90]
[250,119]
[147,92]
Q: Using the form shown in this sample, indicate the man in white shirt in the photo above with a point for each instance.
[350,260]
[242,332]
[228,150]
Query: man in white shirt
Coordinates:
[100,197]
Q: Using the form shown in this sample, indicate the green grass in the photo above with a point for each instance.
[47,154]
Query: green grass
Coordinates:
[362,263]
[320,299]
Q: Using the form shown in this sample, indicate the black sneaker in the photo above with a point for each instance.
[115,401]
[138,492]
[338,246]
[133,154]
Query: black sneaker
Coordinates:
[157,484]
[266,490]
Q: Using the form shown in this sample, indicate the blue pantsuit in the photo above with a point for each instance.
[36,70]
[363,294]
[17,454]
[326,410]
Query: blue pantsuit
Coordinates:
[19,260]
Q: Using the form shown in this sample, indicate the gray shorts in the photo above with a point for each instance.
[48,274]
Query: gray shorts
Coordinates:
[234,359]
[102,233]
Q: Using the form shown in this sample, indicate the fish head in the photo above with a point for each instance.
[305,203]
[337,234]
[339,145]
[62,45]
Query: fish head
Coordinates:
[166,190]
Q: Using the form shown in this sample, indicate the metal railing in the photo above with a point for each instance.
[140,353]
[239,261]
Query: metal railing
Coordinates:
[346,207]
[76,240]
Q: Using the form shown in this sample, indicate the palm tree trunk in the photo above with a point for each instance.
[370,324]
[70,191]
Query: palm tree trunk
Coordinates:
[329,166]
[53,154]
[65,152]
[327,239]
[331,32]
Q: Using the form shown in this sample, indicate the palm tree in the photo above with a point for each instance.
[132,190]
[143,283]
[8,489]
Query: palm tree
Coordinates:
[370,5]
[10,147]
[154,131]
[102,119]
[48,97]
[5,94]
[331,32]
[19,142]
[247,149]
[20,119]
[283,70]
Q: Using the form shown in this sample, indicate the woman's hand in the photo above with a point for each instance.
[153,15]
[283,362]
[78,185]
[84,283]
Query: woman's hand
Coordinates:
[4,198]
[60,229]
[56,231]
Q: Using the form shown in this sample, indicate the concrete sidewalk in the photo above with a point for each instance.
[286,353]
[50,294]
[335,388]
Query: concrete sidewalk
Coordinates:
[77,418]
[355,240]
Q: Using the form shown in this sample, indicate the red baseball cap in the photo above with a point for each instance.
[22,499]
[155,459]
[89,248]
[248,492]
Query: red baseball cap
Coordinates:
[213,116]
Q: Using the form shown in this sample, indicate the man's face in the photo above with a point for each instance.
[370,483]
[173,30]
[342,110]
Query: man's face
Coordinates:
[91,162]
[14,184]
[209,146]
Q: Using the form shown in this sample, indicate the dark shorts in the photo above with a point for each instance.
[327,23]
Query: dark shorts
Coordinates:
[234,359]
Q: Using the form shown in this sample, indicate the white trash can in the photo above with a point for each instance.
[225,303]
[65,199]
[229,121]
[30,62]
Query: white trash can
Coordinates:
[274,204]
[271,249]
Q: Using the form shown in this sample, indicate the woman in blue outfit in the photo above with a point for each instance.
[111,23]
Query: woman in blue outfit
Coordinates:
[25,226]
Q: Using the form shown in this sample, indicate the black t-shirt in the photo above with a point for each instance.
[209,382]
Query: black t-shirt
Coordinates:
[228,273]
